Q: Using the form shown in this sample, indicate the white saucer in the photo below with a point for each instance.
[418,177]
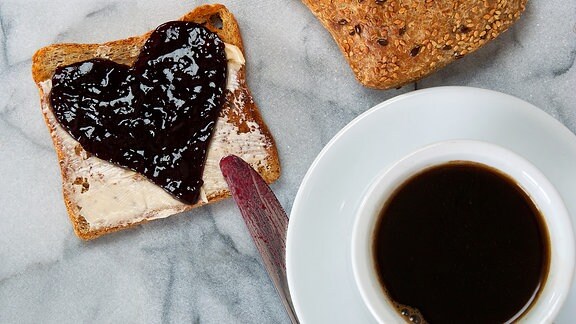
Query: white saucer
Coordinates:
[319,233]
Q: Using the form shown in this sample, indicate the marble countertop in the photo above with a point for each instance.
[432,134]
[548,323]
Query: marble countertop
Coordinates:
[202,267]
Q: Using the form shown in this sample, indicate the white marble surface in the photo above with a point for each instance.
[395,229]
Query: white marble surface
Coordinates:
[201,267]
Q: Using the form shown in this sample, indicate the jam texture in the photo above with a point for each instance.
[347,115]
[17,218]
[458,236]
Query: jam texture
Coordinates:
[155,117]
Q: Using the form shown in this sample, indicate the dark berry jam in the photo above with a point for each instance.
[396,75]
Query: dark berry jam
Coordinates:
[155,117]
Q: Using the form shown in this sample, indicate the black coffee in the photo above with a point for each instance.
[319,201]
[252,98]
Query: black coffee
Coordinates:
[461,243]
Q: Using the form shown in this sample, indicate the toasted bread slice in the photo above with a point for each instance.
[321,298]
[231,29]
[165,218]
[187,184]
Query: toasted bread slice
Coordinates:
[102,197]
[389,43]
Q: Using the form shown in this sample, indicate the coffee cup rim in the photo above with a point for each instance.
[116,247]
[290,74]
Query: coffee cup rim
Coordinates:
[531,179]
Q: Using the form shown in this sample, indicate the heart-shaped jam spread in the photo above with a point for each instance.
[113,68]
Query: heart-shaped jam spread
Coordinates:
[155,117]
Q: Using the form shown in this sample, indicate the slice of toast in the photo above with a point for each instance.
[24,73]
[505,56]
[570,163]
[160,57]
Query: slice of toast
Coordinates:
[389,43]
[102,197]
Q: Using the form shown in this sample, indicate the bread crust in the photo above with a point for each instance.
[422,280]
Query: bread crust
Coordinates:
[239,110]
[389,43]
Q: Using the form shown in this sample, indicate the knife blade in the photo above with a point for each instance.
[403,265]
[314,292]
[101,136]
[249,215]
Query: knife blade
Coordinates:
[265,219]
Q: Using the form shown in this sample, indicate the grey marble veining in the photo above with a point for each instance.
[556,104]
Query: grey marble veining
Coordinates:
[201,266]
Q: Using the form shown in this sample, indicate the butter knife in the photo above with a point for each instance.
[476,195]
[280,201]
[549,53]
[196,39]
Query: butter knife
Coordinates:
[265,219]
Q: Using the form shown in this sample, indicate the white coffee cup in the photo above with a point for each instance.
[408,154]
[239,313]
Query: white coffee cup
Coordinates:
[526,175]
